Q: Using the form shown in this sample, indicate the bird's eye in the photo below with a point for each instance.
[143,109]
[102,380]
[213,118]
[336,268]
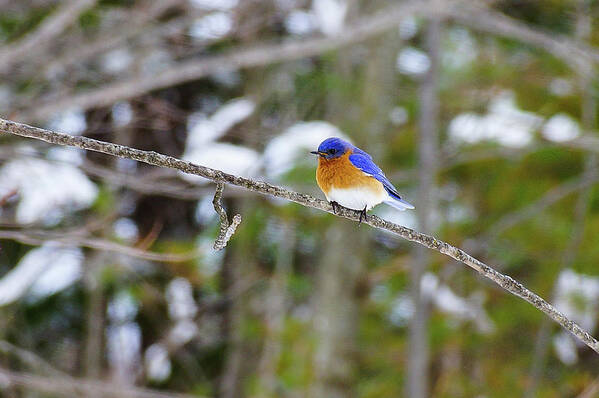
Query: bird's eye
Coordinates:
[332,151]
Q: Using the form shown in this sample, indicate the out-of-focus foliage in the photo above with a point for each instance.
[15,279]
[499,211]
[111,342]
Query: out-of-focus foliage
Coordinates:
[296,291]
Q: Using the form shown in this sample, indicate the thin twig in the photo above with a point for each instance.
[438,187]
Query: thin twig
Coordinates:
[554,195]
[50,28]
[265,54]
[226,230]
[157,159]
[97,244]
[136,24]
[71,385]
[30,358]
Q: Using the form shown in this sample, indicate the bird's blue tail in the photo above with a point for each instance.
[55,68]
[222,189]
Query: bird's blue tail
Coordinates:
[399,203]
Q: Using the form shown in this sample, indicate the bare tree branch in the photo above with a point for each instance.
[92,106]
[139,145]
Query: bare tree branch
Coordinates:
[30,358]
[49,29]
[588,178]
[97,244]
[140,18]
[265,188]
[226,230]
[367,27]
[577,55]
[70,385]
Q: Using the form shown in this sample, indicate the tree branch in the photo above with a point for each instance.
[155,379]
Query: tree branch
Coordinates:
[226,230]
[157,159]
[554,195]
[97,244]
[50,28]
[237,58]
[71,385]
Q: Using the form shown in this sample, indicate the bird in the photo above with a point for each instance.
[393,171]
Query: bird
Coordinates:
[349,177]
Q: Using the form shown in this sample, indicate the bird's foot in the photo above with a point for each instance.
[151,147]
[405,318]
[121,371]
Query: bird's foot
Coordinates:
[363,215]
[336,207]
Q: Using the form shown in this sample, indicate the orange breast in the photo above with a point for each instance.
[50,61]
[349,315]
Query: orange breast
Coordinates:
[341,173]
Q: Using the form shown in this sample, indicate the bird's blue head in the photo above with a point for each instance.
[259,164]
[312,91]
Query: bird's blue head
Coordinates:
[332,148]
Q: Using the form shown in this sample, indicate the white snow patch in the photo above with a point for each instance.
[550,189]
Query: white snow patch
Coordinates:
[408,27]
[215,4]
[179,296]
[461,49]
[412,61]
[122,114]
[124,351]
[330,15]
[560,128]
[202,129]
[577,296]
[565,348]
[504,123]
[233,159]
[398,116]
[71,121]
[205,213]
[284,151]
[74,156]
[43,271]
[46,189]
[157,363]
[461,308]
[300,22]
[183,331]
[402,310]
[212,26]
[406,218]
[211,259]
[125,229]
[116,61]
[122,308]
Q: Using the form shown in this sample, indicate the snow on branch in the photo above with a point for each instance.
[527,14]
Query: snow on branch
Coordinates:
[157,159]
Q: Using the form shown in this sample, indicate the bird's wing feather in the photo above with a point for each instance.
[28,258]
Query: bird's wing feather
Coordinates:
[363,161]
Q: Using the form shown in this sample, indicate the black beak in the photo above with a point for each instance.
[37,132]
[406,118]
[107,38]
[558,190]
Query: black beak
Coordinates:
[315,152]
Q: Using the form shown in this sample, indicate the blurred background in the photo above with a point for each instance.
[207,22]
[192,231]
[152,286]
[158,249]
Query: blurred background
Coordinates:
[483,114]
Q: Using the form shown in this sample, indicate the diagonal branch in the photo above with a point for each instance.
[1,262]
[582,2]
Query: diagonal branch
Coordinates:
[97,244]
[554,195]
[226,230]
[49,29]
[157,159]
[70,385]
[474,17]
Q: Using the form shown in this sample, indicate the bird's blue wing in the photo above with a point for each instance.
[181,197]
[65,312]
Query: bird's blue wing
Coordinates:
[363,161]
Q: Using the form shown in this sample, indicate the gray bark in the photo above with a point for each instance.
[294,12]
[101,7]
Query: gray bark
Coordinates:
[336,312]
[428,149]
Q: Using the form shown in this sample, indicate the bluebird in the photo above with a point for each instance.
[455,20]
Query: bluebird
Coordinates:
[348,177]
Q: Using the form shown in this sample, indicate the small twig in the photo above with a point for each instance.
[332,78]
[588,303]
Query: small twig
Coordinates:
[30,359]
[84,387]
[31,238]
[48,30]
[226,230]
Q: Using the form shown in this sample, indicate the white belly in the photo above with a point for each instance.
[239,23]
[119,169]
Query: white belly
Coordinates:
[357,198]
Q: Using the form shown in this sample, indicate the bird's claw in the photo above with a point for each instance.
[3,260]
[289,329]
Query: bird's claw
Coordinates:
[363,215]
[335,206]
